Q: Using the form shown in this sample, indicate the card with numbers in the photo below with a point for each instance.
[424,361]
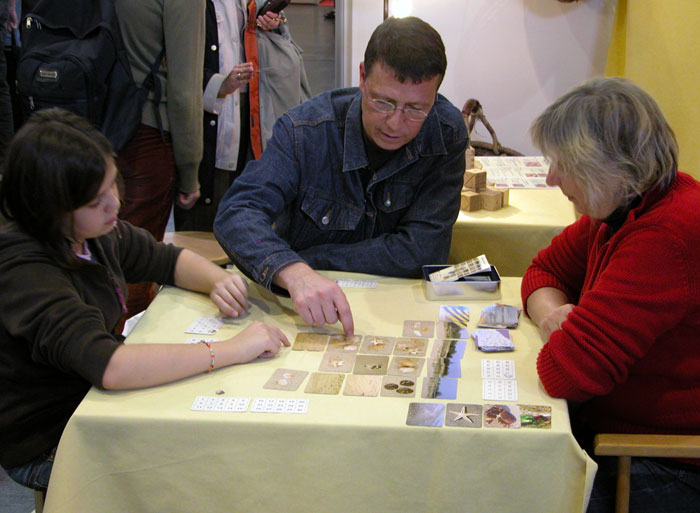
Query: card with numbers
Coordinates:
[500,389]
[220,403]
[351,283]
[497,369]
[271,405]
[205,326]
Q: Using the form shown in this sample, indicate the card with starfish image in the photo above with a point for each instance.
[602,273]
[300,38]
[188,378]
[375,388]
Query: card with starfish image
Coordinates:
[371,364]
[337,362]
[310,342]
[411,346]
[425,414]
[418,329]
[463,415]
[373,344]
[365,386]
[343,344]
[397,386]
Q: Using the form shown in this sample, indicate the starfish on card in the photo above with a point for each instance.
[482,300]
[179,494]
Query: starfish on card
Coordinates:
[462,414]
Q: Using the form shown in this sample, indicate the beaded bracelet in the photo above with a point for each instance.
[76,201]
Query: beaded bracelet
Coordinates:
[211,353]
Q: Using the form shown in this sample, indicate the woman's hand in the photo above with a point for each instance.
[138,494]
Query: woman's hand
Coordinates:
[230,294]
[257,340]
[239,75]
[268,21]
[553,321]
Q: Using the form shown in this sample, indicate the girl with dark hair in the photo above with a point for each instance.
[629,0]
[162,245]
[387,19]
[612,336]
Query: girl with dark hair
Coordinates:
[65,259]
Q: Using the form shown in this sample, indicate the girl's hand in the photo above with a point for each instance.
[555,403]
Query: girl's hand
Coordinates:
[258,340]
[230,294]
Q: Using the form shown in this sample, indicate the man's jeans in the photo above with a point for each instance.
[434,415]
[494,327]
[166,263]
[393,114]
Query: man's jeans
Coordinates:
[36,473]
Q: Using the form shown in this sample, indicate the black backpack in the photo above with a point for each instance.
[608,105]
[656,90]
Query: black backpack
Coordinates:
[73,57]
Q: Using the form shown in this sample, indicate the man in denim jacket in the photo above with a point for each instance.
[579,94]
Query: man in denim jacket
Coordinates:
[361,180]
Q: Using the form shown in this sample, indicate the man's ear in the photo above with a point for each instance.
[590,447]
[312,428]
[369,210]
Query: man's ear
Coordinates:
[362,76]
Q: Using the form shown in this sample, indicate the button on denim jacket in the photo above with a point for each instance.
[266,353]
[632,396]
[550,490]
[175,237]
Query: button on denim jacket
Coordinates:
[304,199]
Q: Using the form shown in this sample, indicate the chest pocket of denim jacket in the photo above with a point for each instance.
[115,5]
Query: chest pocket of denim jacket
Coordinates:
[327,219]
[393,197]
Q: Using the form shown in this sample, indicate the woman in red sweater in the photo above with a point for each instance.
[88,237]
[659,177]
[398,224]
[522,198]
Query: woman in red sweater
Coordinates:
[617,294]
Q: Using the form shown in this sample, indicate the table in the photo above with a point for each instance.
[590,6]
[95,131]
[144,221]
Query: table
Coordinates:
[202,243]
[512,236]
[146,451]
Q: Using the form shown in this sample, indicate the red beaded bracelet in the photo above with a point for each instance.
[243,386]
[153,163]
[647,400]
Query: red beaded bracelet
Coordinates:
[211,353]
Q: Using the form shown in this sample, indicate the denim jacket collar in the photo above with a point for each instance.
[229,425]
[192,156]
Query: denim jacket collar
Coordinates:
[428,142]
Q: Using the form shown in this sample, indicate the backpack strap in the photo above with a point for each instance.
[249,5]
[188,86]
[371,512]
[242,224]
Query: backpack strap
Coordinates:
[152,82]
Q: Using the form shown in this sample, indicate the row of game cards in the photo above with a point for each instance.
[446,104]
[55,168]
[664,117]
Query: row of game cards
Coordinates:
[511,416]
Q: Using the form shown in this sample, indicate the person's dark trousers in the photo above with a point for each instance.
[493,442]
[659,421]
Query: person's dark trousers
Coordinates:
[6,119]
[147,169]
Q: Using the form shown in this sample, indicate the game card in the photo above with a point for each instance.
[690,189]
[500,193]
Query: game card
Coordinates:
[493,340]
[449,329]
[272,405]
[205,326]
[371,364]
[500,389]
[534,416]
[365,386]
[377,345]
[343,344]
[219,403]
[396,386]
[285,379]
[502,416]
[439,388]
[351,283]
[457,271]
[310,342]
[425,414]
[499,316]
[497,369]
[418,329]
[337,362]
[463,415]
[411,346]
[405,366]
[444,367]
[453,349]
[456,314]
[324,383]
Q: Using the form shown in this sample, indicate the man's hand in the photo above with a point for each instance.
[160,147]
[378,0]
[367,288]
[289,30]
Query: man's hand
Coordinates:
[230,294]
[317,299]
[553,321]
[187,200]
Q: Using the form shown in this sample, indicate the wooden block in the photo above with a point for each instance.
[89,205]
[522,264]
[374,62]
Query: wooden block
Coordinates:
[469,157]
[471,201]
[491,199]
[505,195]
[475,179]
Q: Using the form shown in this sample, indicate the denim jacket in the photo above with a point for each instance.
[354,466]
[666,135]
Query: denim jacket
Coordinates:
[304,200]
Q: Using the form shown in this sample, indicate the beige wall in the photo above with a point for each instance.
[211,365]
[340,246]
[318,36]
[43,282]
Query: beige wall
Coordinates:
[656,43]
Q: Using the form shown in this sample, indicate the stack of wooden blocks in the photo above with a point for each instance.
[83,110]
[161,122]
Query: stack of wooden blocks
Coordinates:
[475,194]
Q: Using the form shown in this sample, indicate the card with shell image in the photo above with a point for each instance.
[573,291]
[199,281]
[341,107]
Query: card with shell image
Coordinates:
[365,386]
[371,364]
[305,341]
[411,346]
[502,416]
[405,366]
[324,383]
[448,349]
[343,344]
[463,415]
[398,386]
[286,379]
[444,368]
[373,344]
[418,329]
[535,416]
[425,414]
[448,329]
[337,362]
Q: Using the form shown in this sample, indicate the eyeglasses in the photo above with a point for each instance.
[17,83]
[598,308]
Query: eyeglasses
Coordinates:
[385,107]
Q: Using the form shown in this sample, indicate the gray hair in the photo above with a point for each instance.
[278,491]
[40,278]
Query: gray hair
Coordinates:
[611,137]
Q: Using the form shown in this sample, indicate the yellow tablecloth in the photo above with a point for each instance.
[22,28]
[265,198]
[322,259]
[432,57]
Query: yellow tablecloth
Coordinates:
[146,451]
[512,236]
